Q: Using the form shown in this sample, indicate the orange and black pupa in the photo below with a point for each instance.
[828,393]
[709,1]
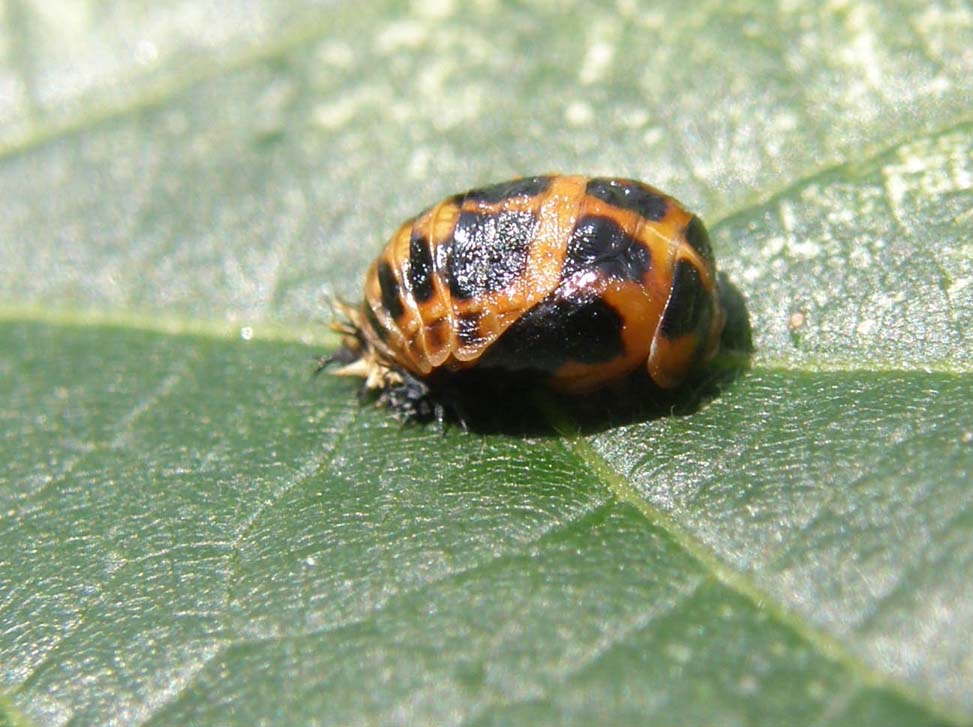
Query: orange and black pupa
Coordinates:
[576,282]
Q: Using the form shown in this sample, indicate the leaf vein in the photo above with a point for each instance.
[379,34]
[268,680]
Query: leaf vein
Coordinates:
[739,582]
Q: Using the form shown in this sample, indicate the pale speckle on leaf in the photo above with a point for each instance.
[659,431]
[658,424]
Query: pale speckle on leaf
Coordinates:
[579,113]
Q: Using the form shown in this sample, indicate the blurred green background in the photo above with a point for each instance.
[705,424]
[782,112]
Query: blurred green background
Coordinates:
[195,531]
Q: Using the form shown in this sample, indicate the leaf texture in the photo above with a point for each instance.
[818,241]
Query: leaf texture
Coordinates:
[194,530]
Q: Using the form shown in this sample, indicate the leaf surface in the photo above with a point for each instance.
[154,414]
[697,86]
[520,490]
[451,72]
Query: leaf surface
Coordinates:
[195,530]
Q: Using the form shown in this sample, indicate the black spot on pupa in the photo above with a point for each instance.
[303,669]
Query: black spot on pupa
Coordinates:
[526,187]
[468,329]
[557,330]
[698,240]
[488,252]
[598,243]
[390,290]
[629,195]
[690,307]
[420,268]
[375,323]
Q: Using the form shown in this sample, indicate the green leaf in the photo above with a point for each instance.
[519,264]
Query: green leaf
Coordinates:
[194,530]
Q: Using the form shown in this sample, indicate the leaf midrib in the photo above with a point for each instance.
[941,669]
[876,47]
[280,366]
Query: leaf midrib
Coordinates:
[319,339]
